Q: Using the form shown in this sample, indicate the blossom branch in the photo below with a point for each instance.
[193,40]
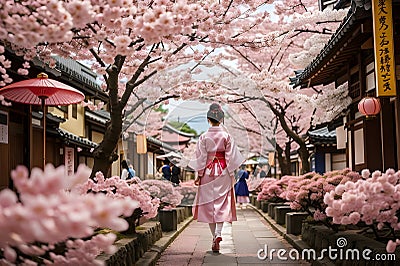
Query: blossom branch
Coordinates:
[246,58]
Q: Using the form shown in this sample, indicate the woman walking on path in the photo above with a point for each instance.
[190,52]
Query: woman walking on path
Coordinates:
[241,188]
[216,159]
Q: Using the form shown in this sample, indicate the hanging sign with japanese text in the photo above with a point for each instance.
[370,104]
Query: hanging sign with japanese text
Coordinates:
[3,127]
[69,161]
[383,45]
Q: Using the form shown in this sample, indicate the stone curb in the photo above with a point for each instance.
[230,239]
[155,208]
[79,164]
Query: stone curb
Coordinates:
[151,256]
[295,241]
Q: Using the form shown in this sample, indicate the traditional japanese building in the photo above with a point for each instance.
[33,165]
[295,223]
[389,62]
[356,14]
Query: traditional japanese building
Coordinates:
[71,132]
[361,55]
[175,138]
[325,154]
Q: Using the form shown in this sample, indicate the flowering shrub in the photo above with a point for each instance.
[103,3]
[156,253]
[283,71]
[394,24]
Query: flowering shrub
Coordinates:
[273,188]
[188,191]
[306,192]
[49,222]
[115,187]
[163,190]
[373,200]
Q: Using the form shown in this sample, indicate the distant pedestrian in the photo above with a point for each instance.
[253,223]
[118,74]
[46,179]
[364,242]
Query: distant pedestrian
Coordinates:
[239,173]
[175,174]
[263,174]
[257,171]
[125,170]
[132,172]
[166,170]
[241,188]
[217,157]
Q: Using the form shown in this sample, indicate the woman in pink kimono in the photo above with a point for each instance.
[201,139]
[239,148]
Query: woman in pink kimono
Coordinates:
[216,159]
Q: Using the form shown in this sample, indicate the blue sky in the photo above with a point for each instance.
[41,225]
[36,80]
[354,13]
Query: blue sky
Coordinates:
[191,112]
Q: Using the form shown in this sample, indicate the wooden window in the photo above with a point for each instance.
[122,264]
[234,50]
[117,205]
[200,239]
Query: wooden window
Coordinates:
[369,77]
[75,111]
[354,86]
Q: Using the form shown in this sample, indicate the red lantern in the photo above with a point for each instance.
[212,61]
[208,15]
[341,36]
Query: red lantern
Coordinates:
[369,106]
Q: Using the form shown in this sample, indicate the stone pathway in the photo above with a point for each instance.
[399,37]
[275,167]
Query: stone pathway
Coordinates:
[240,243]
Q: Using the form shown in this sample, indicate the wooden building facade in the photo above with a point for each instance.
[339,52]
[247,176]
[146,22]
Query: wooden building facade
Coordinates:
[349,57]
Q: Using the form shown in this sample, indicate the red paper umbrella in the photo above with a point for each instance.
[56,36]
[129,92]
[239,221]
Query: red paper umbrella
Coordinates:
[33,91]
[42,91]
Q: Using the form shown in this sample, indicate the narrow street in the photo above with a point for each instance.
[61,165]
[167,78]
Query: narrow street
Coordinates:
[240,243]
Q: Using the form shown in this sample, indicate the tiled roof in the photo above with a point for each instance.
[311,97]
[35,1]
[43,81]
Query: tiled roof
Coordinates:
[69,137]
[172,137]
[100,116]
[160,143]
[103,113]
[78,70]
[341,4]
[322,135]
[172,129]
[341,47]
[49,116]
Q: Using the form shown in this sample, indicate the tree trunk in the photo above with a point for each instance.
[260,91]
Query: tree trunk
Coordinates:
[304,156]
[284,161]
[104,154]
[303,152]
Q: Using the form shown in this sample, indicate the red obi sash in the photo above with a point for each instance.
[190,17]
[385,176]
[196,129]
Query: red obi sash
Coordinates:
[216,163]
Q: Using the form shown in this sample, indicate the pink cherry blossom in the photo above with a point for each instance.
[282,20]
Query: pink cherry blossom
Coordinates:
[164,190]
[49,210]
[391,246]
[22,71]
[372,200]
[7,198]
[310,192]
[168,32]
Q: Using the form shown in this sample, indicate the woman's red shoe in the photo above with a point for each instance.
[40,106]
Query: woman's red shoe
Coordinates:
[215,246]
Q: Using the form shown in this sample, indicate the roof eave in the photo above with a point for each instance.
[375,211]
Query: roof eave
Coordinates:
[335,45]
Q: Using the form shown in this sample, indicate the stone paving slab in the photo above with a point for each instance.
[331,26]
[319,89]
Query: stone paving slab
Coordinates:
[240,242]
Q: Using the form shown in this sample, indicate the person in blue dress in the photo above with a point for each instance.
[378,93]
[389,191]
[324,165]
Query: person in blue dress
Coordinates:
[166,170]
[241,188]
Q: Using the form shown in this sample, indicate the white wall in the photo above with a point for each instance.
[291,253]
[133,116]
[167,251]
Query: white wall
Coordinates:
[359,146]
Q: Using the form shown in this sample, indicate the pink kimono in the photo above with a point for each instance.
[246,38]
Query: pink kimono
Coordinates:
[216,158]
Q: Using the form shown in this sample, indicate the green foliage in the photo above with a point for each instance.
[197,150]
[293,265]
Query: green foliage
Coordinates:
[161,109]
[182,127]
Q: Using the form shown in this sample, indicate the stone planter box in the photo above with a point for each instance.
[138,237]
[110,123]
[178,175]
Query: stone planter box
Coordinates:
[264,206]
[294,221]
[180,212]
[253,199]
[258,204]
[168,219]
[320,237]
[131,249]
[187,210]
[271,210]
[280,214]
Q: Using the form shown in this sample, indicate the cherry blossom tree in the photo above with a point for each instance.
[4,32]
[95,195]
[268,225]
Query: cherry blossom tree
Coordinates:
[302,32]
[131,42]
